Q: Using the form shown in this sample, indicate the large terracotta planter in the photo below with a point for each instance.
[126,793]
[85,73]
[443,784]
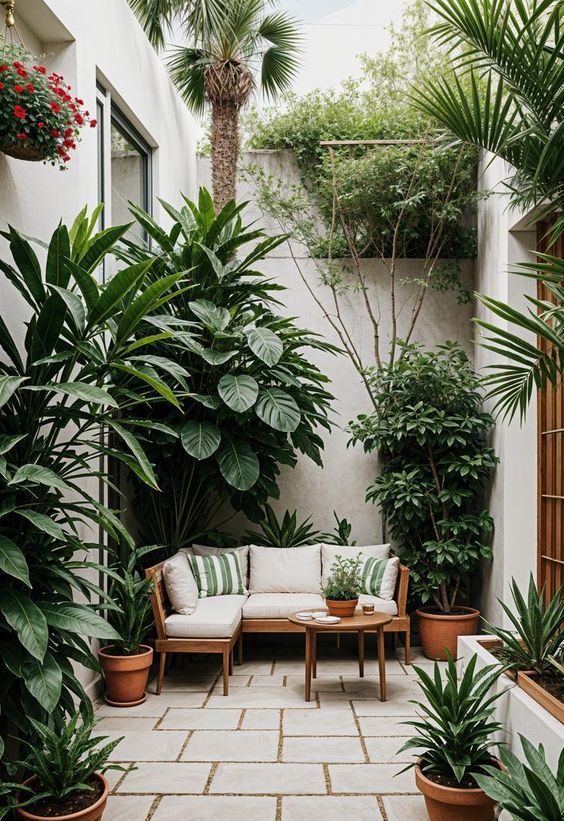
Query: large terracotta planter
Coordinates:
[126,676]
[452,803]
[93,813]
[440,633]
[527,682]
[342,609]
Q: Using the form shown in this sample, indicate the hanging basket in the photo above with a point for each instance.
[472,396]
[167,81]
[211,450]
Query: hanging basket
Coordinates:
[23,152]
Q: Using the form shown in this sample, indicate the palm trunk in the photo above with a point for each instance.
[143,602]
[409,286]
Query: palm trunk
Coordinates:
[225,152]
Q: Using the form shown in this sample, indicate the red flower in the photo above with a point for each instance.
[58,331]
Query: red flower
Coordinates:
[55,107]
[69,132]
[40,69]
[22,72]
[93,123]
[21,136]
[18,89]
[79,119]
[69,143]
[1,86]
[17,64]
[19,112]
[55,133]
[4,67]
[40,125]
[30,87]
[80,102]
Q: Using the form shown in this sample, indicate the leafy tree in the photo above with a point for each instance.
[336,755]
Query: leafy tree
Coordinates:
[430,433]
[233,46]
[254,398]
[512,51]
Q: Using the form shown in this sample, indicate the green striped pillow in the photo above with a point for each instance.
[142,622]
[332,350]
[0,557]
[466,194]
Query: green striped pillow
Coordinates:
[379,577]
[218,575]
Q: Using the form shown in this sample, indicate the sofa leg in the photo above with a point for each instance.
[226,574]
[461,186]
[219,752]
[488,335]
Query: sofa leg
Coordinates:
[160,676]
[231,652]
[240,650]
[408,646]
[226,665]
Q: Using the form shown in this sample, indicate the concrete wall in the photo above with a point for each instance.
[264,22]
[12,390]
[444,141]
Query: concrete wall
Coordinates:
[87,42]
[347,472]
[505,239]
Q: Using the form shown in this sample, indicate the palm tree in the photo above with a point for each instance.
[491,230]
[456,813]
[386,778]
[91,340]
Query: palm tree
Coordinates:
[234,46]
[507,97]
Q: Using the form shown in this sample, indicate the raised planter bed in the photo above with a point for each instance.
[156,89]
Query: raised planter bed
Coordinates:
[527,681]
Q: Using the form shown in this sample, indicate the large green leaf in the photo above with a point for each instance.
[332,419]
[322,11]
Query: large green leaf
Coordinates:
[238,391]
[8,442]
[239,464]
[100,245]
[28,265]
[26,619]
[143,305]
[200,439]
[43,523]
[77,618]
[48,327]
[213,316]
[116,290]
[12,560]
[88,393]
[74,303]
[157,384]
[8,386]
[43,680]
[265,344]
[39,475]
[278,410]
[140,456]
[56,272]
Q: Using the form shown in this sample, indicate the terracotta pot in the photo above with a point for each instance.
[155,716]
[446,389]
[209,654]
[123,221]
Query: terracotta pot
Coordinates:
[440,633]
[452,803]
[527,682]
[93,813]
[23,152]
[343,609]
[126,676]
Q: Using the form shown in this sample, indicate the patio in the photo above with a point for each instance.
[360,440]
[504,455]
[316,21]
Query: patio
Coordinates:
[262,752]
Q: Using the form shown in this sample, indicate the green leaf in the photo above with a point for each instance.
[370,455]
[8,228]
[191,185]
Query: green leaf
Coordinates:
[39,475]
[200,439]
[239,464]
[48,327]
[86,282]
[100,245]
[8,442]
[88,393]
[26,619]
[8,386]
[43,523]
[140,456]
[143,305]
[216,357]
[43,680]
[12,560]
[239,392]
[278,410]
[265,344]
[116,290]
[77,618]
[28,265]
[75,305]
[157,384]
[213,316]
[56,272]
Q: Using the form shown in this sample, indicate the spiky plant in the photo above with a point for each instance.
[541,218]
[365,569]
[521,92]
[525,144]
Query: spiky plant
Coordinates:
[232,48]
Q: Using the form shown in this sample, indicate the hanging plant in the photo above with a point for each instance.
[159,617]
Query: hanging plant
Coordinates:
[40,120]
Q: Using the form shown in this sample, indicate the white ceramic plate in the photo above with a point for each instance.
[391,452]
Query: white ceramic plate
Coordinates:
[328,620]
[319,614]
[304,616]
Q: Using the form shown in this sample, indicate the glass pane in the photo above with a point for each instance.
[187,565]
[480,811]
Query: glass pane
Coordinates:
[129,177]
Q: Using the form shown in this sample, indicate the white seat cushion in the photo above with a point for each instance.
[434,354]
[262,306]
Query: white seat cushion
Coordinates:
[380,605]
[285,569]
[216,617]
[280,605]
[329,553]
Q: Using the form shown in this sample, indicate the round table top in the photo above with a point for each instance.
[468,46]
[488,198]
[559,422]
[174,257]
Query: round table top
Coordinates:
[356,622]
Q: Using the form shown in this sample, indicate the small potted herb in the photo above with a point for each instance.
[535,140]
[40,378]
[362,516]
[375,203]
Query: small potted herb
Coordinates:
[343,586]
[65,768]
[126,663]
[454,741]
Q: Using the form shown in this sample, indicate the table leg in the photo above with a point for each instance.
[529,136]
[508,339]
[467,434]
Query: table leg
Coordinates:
[308,640]
[314,653]
[382,663]
[361,653]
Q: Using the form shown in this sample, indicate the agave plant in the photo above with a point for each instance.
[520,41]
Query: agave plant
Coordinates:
[286,533]
[529,791]
[506,97]
[538,638]
[68,400]
[255,399]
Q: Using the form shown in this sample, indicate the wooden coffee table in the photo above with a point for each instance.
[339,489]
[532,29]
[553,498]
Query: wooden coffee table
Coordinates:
[354,624]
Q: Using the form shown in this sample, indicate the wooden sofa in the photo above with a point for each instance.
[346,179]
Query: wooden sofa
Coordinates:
[225,645]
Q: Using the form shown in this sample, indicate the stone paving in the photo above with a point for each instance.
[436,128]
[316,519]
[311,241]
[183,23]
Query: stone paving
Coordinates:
[262,753]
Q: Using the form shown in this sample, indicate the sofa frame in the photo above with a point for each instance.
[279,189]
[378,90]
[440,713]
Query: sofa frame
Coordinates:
[401,623]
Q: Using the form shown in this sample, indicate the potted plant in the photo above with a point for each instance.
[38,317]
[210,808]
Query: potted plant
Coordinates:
[65,767]
[126,663]
[454,741]
[526,791]
[431,432]
[343,586]
[39,117]
[534,648]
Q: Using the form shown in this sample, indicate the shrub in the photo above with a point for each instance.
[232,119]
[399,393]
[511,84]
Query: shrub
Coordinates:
[345,579]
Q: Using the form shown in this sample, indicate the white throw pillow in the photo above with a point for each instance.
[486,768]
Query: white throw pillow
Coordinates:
[329,553]
[379,577]
[242,552]
[180,584]
[285,569]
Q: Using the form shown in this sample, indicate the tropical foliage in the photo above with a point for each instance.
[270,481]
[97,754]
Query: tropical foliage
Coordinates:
[512,51]
[129,590]
[290,533]
[76,376]
[430,433]
[233,46]
[453,736]
[255,399]
[529,791]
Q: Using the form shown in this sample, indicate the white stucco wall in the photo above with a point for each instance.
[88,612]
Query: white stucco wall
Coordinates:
[87,42]
[341,484]
[505,239]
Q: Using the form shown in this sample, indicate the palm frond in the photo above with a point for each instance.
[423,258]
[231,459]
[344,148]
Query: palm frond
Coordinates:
[187,67]
[156,17]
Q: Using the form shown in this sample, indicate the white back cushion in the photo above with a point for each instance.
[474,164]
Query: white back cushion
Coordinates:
[180,584]
[285,569]
[329,553]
